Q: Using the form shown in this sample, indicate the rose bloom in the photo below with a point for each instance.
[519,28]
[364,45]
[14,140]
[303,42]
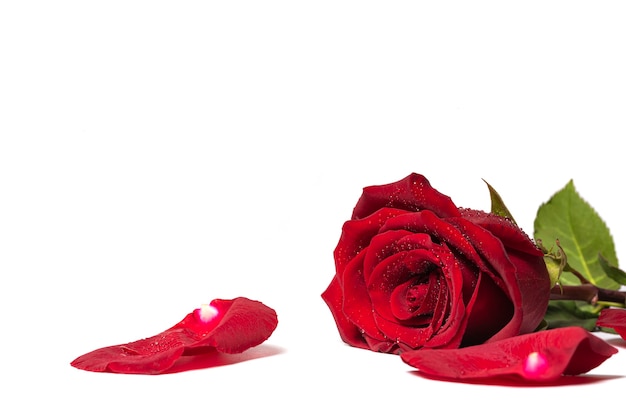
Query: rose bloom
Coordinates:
[414,271]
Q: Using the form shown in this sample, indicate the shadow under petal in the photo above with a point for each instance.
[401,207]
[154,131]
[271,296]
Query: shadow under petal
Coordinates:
[213,358]
[617,341]
[519,382]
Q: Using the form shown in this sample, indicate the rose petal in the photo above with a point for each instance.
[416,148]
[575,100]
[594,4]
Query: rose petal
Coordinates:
[357,305]
[615,319]
[526,280]
[540,356]
[356,235]
[240,324]
[508,232]
[349,333]
[412,193]
[485,320]
[388,243]
[530,273]
[246,324]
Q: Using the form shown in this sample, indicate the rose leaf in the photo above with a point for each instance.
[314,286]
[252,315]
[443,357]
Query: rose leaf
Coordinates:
[612,272]
[582,234]
[564,313]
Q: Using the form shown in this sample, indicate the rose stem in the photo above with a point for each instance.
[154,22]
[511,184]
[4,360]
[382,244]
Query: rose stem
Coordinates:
[588,293]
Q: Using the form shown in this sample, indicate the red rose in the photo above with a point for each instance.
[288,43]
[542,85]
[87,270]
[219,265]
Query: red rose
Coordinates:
[415,271]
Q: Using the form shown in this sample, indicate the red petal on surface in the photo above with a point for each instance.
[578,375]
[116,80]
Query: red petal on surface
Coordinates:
[240,324]
[247,323]
[615,319]
[540,356]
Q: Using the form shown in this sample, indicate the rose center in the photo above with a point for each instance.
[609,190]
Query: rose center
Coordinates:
[415,301]
[415,296]
[422,297]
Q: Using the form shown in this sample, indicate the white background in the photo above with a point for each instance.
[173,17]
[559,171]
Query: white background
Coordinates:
[156,155]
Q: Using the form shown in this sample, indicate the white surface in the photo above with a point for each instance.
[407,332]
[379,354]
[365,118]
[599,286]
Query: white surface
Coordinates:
[155,155]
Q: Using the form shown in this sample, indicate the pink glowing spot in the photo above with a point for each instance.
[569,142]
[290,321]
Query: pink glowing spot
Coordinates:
[207,313]
[535,365]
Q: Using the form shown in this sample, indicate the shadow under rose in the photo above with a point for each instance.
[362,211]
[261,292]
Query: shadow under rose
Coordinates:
[213,358]
[518,382]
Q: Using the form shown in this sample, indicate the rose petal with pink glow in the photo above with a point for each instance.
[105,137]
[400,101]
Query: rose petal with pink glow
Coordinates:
[227,326]
[539,356]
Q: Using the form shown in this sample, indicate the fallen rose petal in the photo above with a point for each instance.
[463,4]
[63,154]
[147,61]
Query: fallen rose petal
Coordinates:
[615,319]
[227,326]
[539,356]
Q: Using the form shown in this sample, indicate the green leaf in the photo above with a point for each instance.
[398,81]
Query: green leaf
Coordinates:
[564,313]
[583,235]
[612,272]
[497,205]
